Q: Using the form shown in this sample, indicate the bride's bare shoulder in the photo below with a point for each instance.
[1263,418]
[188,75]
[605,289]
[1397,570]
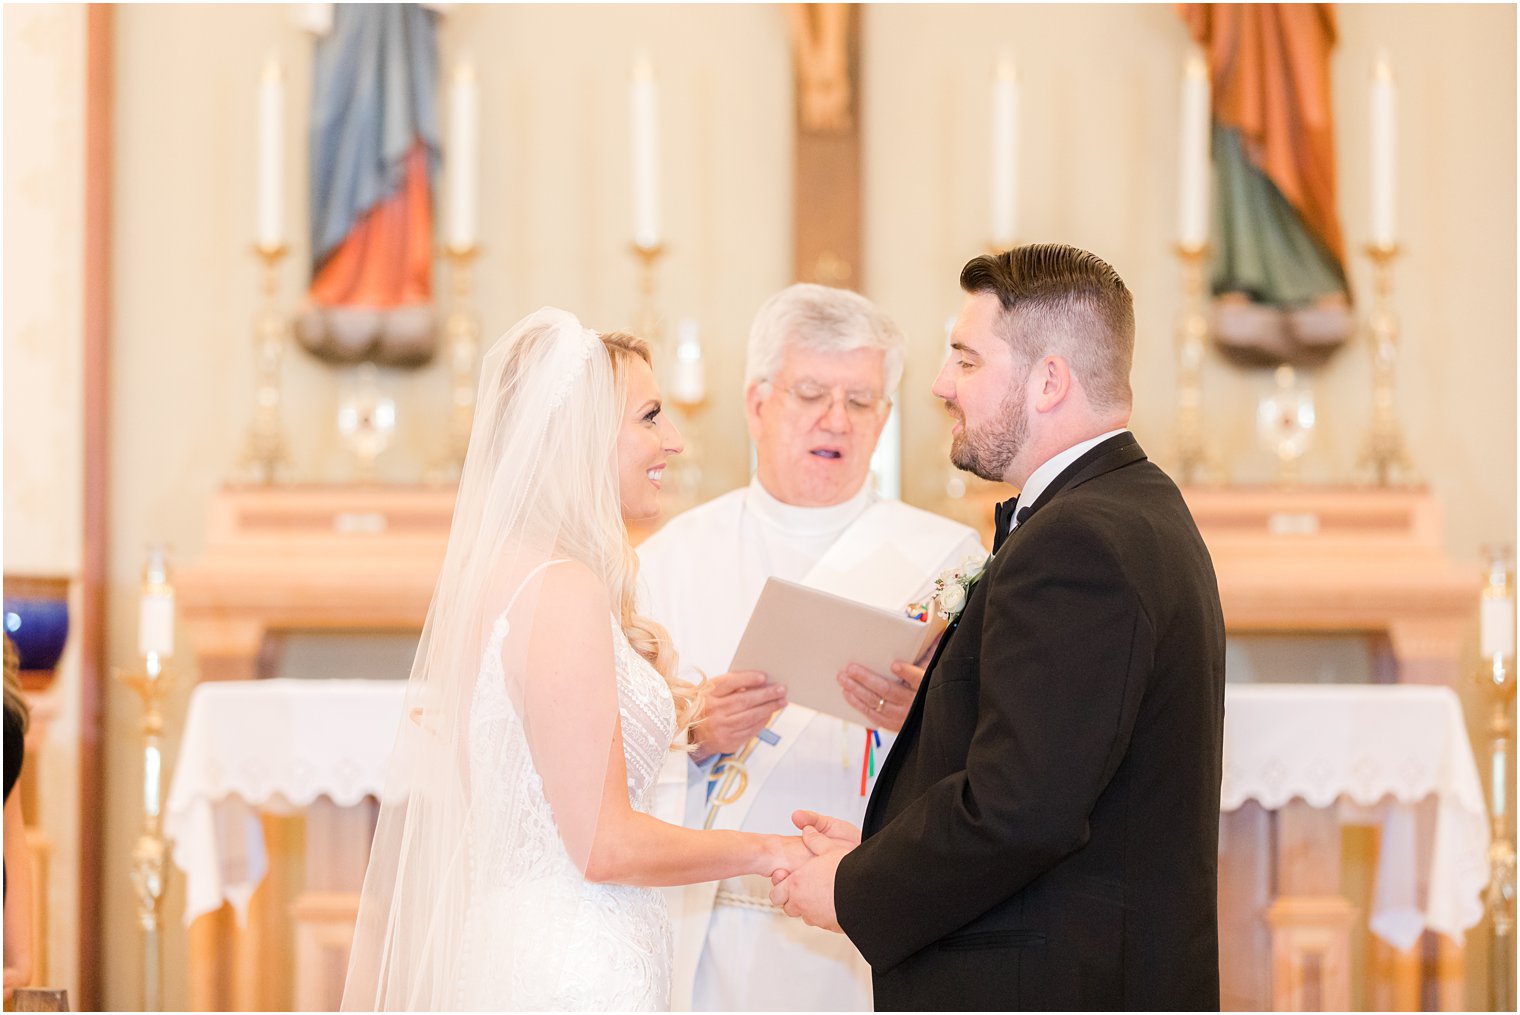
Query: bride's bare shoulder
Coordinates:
[571,579]
[521,579]
[572,608]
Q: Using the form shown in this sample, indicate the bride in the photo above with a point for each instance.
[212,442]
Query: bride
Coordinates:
[515,863]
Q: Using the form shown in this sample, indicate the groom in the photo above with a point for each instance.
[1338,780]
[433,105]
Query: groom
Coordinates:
[1045,833]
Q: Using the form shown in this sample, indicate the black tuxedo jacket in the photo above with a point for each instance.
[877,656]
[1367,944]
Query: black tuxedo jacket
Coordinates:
[1045,832]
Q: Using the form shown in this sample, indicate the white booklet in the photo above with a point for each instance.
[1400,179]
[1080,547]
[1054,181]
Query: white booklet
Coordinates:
[801,637]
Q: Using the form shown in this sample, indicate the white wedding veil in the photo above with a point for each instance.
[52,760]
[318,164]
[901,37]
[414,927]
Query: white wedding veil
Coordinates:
[539,484]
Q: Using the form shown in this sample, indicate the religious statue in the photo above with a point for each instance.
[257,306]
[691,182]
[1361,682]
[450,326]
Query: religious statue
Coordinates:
[1279,273]
[820,43]
[374,155]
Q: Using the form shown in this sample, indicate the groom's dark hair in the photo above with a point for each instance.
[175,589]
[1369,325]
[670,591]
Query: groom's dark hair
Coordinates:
[1062,300]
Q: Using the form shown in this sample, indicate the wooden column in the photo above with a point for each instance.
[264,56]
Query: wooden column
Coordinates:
[826,209]
[337,851]
[93,654]
[247,967]
[1245,892]
[1310,920]
[1395,977]
[38,842]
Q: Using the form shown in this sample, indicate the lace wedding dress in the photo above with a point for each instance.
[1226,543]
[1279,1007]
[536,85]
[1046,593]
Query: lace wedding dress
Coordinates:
[474,895]
[538,935]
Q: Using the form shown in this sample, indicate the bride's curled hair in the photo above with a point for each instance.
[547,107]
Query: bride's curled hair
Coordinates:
[647,636]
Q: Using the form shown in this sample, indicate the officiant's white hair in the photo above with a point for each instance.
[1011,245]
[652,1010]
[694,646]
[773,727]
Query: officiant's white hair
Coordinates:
[823,319]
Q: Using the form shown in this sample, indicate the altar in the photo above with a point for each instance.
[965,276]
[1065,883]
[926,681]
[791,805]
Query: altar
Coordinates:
[1397,757]
[1361,561]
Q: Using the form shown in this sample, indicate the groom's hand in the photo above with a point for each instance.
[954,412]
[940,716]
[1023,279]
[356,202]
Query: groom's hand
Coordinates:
[884,701]
[837,829]
[735,707]
[808,891]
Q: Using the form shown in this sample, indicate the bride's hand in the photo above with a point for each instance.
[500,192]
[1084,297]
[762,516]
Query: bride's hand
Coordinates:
[784,854]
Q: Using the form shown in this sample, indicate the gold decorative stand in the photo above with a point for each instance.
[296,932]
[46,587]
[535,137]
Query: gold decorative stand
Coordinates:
[461,331]
[1194,463]
[265,458]
[648,325]
[687,467]
[151,682]
[1497,676]
[1384,455]
[646,321]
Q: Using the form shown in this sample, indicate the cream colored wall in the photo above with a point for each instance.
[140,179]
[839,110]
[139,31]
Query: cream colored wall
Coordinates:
[43,398]
[1099,170]
[44,266]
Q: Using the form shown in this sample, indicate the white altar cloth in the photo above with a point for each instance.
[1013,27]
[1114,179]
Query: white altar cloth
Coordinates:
[270,745]
[1394,745]
[276,745]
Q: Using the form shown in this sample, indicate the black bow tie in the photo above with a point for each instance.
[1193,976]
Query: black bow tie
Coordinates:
[1005,515]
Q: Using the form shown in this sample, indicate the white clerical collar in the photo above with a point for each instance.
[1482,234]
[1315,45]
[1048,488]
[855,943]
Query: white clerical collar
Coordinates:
[1053,467]
[806,521]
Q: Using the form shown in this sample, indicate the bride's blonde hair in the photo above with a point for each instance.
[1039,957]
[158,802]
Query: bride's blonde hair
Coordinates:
[569,501]
[539,485]
[646,635]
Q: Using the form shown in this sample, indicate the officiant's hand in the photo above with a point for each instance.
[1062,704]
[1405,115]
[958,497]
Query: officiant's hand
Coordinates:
[884,701]
[808,891]
[735,707]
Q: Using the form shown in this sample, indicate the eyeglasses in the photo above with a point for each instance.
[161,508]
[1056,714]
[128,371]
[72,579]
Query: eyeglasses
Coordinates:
[860,406]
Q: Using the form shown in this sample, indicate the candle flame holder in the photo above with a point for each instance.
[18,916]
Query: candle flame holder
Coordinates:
[1194,461]
[265,458]
[1384,454]
[461,329]
[1496,675]
[152,681]
[646,320]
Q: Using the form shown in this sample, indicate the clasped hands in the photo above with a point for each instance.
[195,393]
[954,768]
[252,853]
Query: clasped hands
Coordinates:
[807,892]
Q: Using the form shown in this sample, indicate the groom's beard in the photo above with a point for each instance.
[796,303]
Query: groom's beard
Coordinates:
[988,451]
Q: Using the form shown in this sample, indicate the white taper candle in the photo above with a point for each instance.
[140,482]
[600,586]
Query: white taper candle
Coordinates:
[1384,158]
[1193,155]
[644,126]
[1497,627]
[463,156]
[271,209]
[688,383]
[1005,154]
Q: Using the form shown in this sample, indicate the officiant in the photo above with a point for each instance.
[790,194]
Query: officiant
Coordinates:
[821,369]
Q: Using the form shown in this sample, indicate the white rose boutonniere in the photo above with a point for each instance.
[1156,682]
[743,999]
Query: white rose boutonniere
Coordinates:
[953,586]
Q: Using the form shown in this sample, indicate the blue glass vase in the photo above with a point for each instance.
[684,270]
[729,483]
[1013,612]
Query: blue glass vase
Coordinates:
[39,628]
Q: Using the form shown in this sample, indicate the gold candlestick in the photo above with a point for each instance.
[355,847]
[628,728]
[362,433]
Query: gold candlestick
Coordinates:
[1384,455]
[1194,463]
[461,329]
[1497,676]
[265,459]
[646,319]
[687,467]
[152,682]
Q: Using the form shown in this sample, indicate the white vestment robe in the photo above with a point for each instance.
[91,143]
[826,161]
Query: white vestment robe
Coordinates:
[700,576]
